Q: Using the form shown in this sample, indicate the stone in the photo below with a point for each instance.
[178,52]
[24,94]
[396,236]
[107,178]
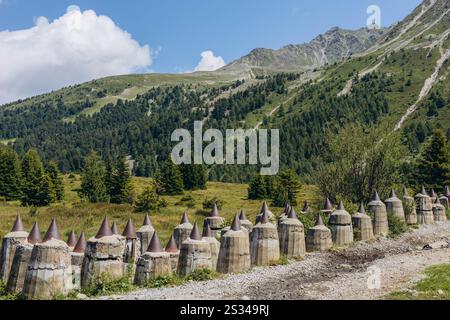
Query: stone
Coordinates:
[215,245]
[77,256]
[265,209]
[21,260]
[378,214]
[292,236]
[425,212]
[439,211]
[234,253]
[174,253]
[104,255]
[362,224]
[394,206]
[195,254]
[340,223]
[409,206]
[183,230]
[264,244]
[318,238]
[145,234]
[10,242]
[215,221]
[49,272]
[247,224]
[154,263]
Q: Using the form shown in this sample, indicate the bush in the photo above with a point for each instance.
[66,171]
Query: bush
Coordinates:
[209,203]
[396,226]
[187,200]
[202,275]
[106,285]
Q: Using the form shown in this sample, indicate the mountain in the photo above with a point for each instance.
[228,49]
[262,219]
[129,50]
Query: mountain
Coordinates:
[334,45]
[398,85]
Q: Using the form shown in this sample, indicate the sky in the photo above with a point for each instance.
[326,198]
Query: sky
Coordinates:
[47,44]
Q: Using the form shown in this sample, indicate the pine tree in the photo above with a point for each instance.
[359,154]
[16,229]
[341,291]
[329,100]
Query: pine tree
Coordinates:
[258,188]
[10,174]
[433,167]
[169,179]
[57,181]
[194,176]
[93,180]
[149,200]
[285,189]
[109,174]
[37,186]
[121,188]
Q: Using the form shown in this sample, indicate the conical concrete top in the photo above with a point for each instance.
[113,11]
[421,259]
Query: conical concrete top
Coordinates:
[447,192]
[341,206]
[215,211]
[292,214]
[195,234]
[376,196]
[18,225]
[242,215]
[72,240]
[129,232]
[361,208]
[393,194]
[327,206]
[305,207]
[433,194]
[155,244]
[405,192]
[264,217]
[80,247]
[172,245]
[185,218]
[319,221]
[105,230]
[265,207]
[147,221]
[287,208]
[35,234]
[207,233]
[437,201]
[423,191]
[52,232]
[236,225]
[114,229]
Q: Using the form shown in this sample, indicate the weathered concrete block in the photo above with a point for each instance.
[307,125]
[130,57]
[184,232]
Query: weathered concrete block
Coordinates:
[264,244]
[247,224]
[439,212]
[144,234]
[234,253]
[318,238]
[152,265]
[341,226]
[265,210]
[292,236]
[183,230]
[49,272]
[378,213]
[394,206]
[195,254]
[9,244]
[19,268]
[103,256]
[77,262]
[174,253]
[362,224]
[215,245]
[445,202]
[425,212]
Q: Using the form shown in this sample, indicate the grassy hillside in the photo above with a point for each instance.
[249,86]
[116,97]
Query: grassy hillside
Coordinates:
[79,216]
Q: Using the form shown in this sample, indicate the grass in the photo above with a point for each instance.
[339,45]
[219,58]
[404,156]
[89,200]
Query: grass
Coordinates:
[80,216]
[436,286]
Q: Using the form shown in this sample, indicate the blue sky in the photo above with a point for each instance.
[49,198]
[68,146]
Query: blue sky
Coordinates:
[230,28]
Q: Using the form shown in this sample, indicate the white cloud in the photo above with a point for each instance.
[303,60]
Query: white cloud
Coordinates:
[77,47]
[209,62]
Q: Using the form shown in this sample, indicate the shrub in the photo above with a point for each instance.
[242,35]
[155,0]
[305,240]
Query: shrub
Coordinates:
[106,285]
[396,226]
[202,275]
[209,203]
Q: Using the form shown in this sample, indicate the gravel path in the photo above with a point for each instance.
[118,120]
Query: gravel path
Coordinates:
[339,274]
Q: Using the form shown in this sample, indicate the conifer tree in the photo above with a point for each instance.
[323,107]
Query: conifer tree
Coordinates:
[194,176]
[57,181]
[121,188]
[37,186]
[10,175]
[93,180]
[285,189]
[258,188]
[169,179]
[433,167]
